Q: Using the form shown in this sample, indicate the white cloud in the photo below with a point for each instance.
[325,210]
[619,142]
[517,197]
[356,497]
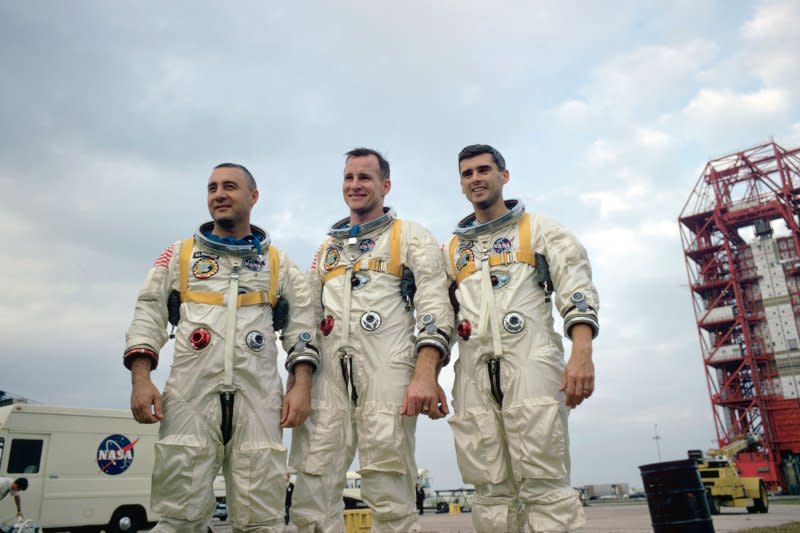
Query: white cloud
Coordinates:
[734,119]
[774,20]
[648,76]
[616,200]
[602,152]
[772,42]
[713,103]
[646,250]
[652,138]
[571,111]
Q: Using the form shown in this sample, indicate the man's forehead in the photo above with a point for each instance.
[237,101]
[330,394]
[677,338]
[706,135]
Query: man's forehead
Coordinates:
[362,162]
[480,159]
[226,174]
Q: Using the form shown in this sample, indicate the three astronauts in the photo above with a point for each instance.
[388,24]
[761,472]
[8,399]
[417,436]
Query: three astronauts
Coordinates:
[366,334]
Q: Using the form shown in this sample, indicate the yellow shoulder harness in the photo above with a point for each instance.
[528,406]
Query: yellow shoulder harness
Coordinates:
[393,267]
[523,255]
[218,298]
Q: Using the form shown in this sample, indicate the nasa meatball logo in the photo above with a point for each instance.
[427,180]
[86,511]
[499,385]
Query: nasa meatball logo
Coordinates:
[502,245]
[115,454]
[365,246]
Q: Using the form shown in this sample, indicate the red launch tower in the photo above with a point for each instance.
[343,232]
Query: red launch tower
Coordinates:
[740,236]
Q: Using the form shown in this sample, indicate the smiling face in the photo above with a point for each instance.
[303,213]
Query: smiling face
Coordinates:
[364,188]
[482,182]
[230,200]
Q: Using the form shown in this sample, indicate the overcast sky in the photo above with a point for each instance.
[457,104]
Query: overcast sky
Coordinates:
[113,114]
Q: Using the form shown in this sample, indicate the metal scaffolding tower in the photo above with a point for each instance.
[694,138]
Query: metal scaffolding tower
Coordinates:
[740,236]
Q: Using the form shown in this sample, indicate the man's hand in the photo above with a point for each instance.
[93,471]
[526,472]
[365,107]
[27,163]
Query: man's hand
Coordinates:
[424,395]
[578,380]
[145,397]
[297,402]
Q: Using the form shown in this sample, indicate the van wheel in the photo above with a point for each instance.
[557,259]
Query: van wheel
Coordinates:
[127,520]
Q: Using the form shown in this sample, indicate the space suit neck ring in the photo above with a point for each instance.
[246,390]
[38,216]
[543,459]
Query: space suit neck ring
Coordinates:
[468,229]
[343,230]
[260,240]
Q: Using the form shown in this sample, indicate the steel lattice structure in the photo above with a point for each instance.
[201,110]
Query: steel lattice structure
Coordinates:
[740,236]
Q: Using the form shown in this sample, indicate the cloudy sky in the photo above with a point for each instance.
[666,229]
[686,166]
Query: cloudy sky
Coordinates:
[113,114]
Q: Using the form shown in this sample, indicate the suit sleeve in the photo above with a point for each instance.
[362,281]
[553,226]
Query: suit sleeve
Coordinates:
[147,333]
[434,312]
[576,297]
[299,335]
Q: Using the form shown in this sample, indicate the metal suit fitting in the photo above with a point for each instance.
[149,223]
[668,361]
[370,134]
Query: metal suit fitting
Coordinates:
[371,321]
[359,280]
[499,279]
[326,325]
[579,301]
[429,324]
[513,322]
[302,341]
[464,329]
[199,338]
[255,340]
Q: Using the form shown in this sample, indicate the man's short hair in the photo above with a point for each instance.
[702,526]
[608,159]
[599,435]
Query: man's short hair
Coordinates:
[363,152]
[247,174]
[477,149]
[21,483]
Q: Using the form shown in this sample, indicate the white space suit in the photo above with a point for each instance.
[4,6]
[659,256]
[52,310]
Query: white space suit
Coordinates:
[222,400]
[369,352]
[510,419]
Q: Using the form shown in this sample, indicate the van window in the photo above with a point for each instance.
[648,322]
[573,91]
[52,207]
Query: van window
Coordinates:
[25,456]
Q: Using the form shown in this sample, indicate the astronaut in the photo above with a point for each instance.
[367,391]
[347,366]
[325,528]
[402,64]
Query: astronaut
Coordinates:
[227,288]
[375,374]
[512,390]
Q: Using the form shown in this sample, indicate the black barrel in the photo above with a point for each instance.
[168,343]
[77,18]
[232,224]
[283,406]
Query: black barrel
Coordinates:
[676,497]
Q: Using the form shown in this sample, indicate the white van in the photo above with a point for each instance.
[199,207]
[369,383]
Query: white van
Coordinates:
[85,467]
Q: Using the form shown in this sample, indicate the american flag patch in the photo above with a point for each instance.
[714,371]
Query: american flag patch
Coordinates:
[316,258]
[163,259]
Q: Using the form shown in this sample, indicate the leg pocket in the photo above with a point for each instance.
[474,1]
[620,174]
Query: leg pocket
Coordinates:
[537,439]
[316,443]
[479,446]
[183,477]
[381,439]
[256,472]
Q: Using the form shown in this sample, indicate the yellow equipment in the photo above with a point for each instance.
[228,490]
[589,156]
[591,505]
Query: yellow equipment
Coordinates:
[724,486]
[357,520]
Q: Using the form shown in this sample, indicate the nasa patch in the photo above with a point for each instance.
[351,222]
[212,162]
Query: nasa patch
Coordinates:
[115,454]
[205,267]
[332,256]
[365,246]
[465,256]
[502,245]
[252,263]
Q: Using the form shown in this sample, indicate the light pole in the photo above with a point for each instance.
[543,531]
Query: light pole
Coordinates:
[657,437]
